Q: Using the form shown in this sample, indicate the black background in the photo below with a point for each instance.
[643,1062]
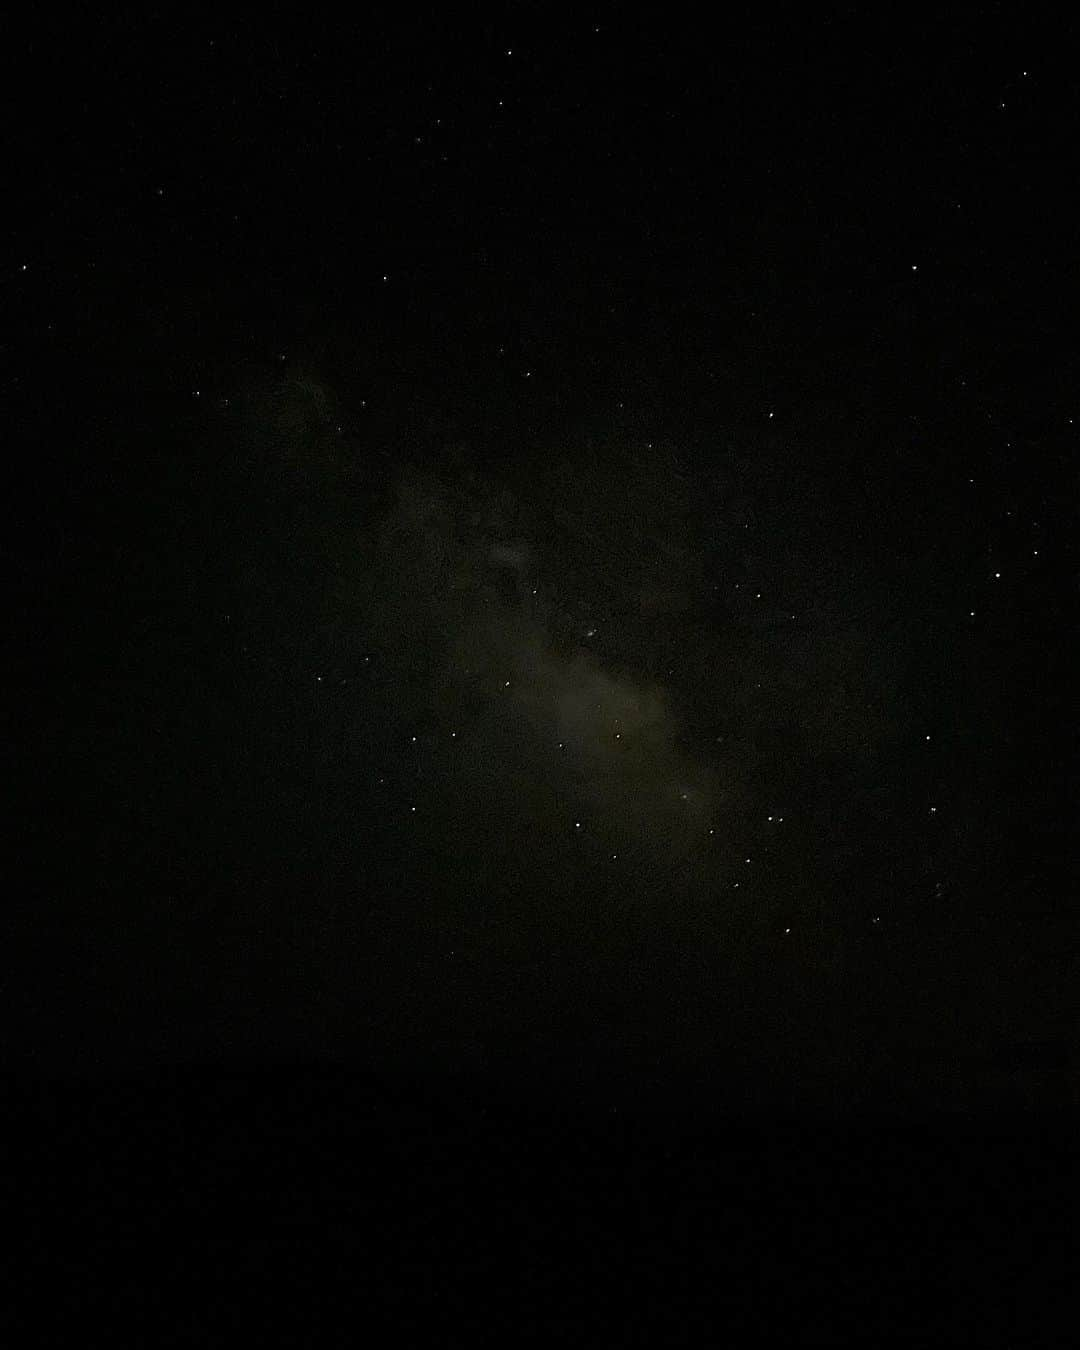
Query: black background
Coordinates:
[787,306]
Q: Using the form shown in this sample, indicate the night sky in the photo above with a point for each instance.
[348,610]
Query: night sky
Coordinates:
[545,554]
